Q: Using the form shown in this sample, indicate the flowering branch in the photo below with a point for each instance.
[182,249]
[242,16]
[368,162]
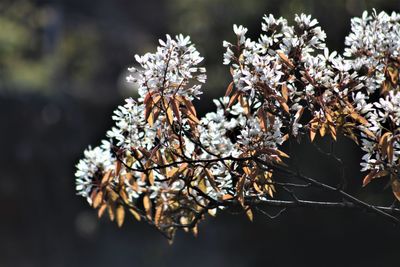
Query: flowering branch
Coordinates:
[170,168]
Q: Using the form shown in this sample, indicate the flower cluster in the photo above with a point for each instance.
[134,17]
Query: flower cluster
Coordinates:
[169,168]
[170,70]
[372,53]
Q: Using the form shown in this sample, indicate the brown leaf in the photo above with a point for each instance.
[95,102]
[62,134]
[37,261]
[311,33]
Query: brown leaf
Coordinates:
[229,89]
[118,166]
[112,195]
[98,199]
[170,115]
[358,118]
[172,171]
[396,188]
[175,109]
[211,179]
[263,120]
[111,213]
[385,87]
[239,189]
[245,105]
[183,167]
[150,177]
[322,130]
[390,152]
[312,134]
[282,154]
[285,93]
[393,74]
[195,230]
[189,105]
[106,178]
[120,212]
[193,118]
[148,111]
[283,104]
[227,197]
[135,214]
[101,210]
[298,114]
[332,130]
[369,177]
[369,133]
[157,216]
[285,59]
[384,142]
[233,98]
[147,206]
[249,214]
[257,188]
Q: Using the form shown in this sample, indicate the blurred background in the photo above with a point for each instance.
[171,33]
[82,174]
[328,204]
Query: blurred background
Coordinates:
[62,72]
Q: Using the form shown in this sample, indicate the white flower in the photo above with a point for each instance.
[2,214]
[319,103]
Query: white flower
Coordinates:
[171,70]
[95,162]
[240,31]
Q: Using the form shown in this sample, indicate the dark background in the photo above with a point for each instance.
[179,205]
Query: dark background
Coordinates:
[62,69]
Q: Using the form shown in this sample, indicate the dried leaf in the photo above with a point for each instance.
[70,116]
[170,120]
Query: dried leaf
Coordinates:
[257,188]
[157,216]
[183,167]
[283,104]
[282,154]
[118,166]
[233,98]
[245,105]
[193,118]
[239,189]
[98,199]
[322,130]
[390,152]
[298,114]
[358,118]
[263,120]
[123,195]
[150,177]
[393,74]
[285,59]
[101,210]
[369,177]
[396,188]
[211,179]
[285,93]
[172,171]
[369,133]
[147,206]
[170,115]
[386,87]
[195,230]
[229,89]
[135,214]
[227,197]
[270,189]
[147,111]
[212,212]
[332,131]
[175,109]
[312,134]
[120,212]
[106,178]
[249,214]
[202,184]
[189,105]
[384,142]
[111,213]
